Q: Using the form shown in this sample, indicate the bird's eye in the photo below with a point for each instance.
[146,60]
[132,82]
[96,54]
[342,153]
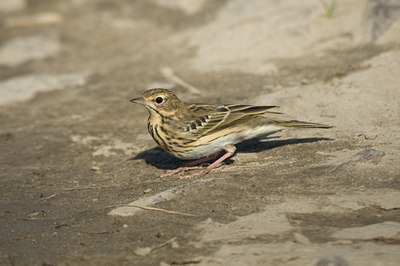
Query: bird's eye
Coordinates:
[159,100]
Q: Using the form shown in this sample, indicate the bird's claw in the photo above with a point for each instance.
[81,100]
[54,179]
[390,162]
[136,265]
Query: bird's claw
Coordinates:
[180,170]
[200,173]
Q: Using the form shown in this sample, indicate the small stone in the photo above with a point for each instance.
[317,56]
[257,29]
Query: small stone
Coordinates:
[12,5]
[95,168]
[147,191]
[143,251]
[372,231]
[299,238]
[370,136]
[332,261]
[24,88]
[190,7]
[18,51]
[48,18]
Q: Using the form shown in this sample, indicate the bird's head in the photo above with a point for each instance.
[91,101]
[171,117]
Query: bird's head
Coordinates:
[159,101]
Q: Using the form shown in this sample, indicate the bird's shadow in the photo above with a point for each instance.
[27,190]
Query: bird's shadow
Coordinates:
[163,160]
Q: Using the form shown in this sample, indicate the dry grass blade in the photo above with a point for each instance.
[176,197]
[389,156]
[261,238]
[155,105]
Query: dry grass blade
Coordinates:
[169,73]
[165,243]
[160,210]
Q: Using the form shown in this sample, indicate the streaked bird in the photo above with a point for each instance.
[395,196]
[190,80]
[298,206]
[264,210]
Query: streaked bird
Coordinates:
[199,132]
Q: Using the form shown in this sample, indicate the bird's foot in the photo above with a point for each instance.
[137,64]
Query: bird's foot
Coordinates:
[200,173]
[180,170]
[230,150]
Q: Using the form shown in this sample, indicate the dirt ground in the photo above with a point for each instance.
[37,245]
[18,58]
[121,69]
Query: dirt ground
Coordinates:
[79,174]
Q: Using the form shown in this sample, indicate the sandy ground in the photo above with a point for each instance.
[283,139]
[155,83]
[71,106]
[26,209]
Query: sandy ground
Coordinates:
[77,165]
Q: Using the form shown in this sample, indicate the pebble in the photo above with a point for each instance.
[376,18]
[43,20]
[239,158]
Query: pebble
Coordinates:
[143,251]
[301,239]
[24,88]
[190,7]
[48,18]
[332,261]
[147,191]
[372,231]
[21,50]
[12,5]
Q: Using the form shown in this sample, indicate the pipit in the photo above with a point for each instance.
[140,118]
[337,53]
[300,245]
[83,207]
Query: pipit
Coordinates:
[199,132]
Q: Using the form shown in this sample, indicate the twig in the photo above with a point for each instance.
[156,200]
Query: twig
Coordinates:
[147,250]
[49,197]
[164,244]
[168,73]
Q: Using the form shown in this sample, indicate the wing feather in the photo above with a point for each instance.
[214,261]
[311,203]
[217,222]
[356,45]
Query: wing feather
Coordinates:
[211,118]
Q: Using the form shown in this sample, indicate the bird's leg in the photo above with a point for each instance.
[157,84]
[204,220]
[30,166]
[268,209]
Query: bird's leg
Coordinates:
[230,150]
[190,165]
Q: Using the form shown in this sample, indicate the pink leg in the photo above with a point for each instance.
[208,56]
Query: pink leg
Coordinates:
[230,150]
[190,165]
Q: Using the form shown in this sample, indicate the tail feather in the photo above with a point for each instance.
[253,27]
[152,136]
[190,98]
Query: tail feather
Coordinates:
[297,123]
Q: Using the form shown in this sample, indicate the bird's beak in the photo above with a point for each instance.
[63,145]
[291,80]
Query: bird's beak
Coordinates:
[139,100]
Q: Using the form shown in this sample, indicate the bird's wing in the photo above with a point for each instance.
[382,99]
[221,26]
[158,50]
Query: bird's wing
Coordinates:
[213,118]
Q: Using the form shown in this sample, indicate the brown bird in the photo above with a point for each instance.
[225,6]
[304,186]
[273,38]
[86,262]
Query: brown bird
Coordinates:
[197,131]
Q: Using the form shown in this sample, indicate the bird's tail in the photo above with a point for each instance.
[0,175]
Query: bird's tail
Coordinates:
[296,123]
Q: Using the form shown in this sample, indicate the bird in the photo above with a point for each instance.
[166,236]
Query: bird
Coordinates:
[199,131]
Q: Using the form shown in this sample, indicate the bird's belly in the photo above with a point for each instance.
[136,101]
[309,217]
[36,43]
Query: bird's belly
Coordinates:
[207,145]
